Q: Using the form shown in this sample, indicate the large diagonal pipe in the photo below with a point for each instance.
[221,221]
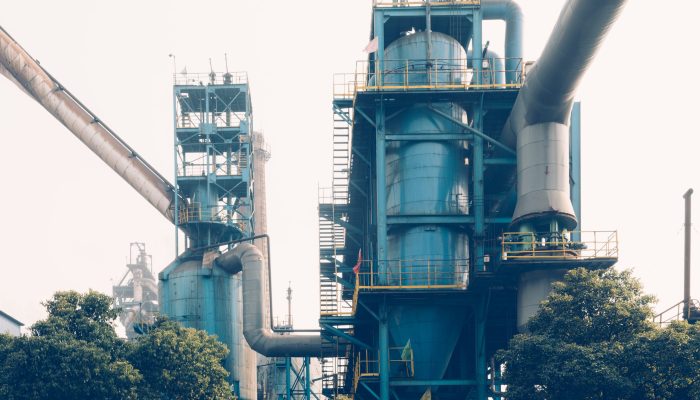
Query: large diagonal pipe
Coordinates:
[249,261]
[538,123]
[20,68]
[538,128]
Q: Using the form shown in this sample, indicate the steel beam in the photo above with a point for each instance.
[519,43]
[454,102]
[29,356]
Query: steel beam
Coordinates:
[477,132]
[349,338]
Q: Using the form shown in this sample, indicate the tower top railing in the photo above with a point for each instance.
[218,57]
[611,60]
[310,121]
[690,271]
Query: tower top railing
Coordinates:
[422,3]
[210,78]
[433,74]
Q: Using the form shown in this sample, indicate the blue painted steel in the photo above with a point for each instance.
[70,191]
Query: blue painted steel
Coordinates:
[212,163]
[477,44]
[201,298]
[288,377]
[382,240]
[406,64]
[307,378]
[383,353]
[426,178]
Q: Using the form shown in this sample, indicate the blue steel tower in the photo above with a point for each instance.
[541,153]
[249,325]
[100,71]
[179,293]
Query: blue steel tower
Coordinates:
[431,257]
[213,161]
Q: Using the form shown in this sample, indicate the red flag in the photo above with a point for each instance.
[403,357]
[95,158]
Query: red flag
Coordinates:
[372,46]
[356,268]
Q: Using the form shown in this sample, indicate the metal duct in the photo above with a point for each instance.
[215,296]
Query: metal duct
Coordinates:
[495,73]
[539,119]
[248,259]
[19,67]
[508,11]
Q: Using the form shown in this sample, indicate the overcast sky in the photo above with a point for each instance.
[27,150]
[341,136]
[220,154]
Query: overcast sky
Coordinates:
[68,219]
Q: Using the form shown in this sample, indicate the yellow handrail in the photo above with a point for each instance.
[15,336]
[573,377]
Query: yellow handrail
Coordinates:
[437,74]
[422,3]
[528,245]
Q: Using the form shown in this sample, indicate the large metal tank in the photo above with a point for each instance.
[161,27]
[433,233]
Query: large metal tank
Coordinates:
[426,178]
[209,298]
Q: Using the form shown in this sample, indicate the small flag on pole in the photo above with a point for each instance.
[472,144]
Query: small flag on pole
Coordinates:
[373,45]
[356,268]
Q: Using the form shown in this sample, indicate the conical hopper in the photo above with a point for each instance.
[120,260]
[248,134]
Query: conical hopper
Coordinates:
[433,331]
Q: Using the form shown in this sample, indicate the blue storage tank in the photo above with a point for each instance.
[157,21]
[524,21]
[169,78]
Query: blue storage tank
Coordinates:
[209,298]
[426,178]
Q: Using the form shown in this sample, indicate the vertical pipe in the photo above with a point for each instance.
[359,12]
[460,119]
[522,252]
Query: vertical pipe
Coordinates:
[478,189]
[686,256]
[575,167]
[383,353]
[428,31]
[477,45]
[307,380]
[176,196]
[380,161]
[379,54]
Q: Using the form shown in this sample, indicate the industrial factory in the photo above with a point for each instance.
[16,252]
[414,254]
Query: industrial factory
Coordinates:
[455,202]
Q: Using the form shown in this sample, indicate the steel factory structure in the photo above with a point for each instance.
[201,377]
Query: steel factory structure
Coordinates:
[455,203]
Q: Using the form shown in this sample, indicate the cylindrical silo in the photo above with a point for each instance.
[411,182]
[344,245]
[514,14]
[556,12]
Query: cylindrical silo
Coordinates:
[209,298]
[426,178]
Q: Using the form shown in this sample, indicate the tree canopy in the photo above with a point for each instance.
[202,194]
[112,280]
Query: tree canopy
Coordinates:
[593,339]
[75,354]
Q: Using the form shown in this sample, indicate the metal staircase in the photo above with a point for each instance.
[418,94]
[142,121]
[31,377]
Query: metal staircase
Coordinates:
[332,211]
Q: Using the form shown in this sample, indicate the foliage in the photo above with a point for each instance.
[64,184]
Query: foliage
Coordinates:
[181,363]
[75,354]
[593,339]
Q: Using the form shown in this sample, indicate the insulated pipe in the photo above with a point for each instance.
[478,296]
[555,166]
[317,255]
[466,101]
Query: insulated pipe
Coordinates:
[20,68]
[247,259]
[497,69]
[548,92]
[538,123]
[686,255]
[508,11]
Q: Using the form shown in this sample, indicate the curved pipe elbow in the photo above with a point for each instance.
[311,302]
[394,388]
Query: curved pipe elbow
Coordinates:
[549,89]
[247,259]
[510,12]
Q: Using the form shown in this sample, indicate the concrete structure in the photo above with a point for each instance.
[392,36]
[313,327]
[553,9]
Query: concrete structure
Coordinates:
[9,325]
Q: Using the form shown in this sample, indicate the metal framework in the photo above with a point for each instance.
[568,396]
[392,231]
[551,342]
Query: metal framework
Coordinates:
[136,294]
[360,284]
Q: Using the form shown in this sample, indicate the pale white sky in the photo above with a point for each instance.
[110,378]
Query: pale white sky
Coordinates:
[68,219]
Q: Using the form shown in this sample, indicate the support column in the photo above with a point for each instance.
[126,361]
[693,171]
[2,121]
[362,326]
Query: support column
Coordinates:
[383,353]
[686,256]
[477,45]
[379,54]
[478,192]
[307,378]
[380,178]
[480,348]
[288,377]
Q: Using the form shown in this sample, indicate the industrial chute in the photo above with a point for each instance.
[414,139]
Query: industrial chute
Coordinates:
[24,71]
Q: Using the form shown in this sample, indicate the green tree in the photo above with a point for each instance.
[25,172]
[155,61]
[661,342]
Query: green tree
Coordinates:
[593,339]
[75,354]
[181,363]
